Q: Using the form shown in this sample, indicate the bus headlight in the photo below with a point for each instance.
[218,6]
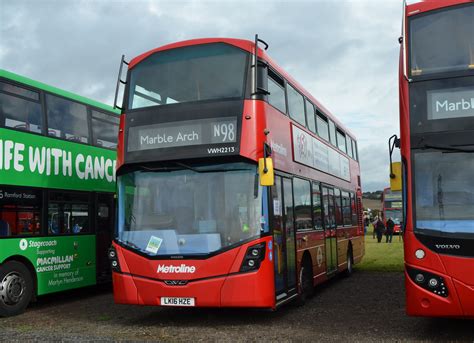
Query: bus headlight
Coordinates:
[429,281]
[253,257]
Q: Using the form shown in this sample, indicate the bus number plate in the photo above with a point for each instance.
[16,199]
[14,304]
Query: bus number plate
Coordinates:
[167,301]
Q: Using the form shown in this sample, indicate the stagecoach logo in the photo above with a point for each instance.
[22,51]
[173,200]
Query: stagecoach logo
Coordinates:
[23,244]
[448,246]
[176,269]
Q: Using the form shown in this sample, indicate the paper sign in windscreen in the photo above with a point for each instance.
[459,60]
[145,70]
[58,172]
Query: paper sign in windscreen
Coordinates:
[154,244]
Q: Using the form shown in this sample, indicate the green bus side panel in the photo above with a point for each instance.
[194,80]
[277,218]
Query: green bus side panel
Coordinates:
[61,263]
[32,160]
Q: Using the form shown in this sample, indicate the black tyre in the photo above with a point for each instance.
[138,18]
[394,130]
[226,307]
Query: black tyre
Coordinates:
[306,281]
[16,288]
[350,262]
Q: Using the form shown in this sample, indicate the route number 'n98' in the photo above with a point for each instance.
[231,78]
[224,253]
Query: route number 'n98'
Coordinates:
[225,131]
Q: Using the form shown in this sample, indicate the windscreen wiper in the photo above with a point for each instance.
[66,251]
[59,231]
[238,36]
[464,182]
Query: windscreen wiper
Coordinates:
[130,244]
[446,147]
[159,168]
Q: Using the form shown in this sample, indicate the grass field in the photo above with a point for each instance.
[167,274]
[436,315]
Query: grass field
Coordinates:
[382,257]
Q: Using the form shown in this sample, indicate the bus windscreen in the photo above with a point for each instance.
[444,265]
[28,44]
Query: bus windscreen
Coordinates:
[442,41]
[195,73]
[194,211]
[444,191]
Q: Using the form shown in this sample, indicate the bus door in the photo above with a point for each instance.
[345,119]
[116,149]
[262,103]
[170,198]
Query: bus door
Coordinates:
[104,228]
[330,230]
[284,243]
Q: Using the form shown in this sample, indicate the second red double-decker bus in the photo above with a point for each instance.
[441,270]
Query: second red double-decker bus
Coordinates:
[392,207]
[200,222]
[437,147]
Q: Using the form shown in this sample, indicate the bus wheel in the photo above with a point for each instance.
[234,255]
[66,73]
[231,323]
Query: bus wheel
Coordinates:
[350,262]
[306,281]
[16,288]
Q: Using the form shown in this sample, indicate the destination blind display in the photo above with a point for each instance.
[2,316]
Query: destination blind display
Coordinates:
[451,103]
[183,133]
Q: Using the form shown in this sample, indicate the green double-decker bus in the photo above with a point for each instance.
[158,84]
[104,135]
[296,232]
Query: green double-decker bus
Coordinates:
[57,186]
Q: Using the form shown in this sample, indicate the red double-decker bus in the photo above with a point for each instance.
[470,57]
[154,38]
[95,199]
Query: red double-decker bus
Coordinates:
[392,207]
[236,188]
[437,145]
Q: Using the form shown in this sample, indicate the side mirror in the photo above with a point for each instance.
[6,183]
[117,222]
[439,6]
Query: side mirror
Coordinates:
[396,176]
[265,170]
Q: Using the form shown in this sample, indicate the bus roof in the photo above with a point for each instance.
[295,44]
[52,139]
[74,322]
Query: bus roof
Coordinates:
[249,47]
[36,84]
[421,6]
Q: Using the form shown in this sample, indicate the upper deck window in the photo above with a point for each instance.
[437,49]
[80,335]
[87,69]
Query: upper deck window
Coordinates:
[310,116]
[442,41]
[7,87]
[296,105]
[105,129]
[67,119]
[194,73]
[332,132]
[354,150]
[322,125]
[21,113]
[341,141]
[349,146]
[276,88]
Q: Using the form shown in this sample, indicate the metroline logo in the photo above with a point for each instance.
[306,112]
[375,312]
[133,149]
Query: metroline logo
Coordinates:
[176,269]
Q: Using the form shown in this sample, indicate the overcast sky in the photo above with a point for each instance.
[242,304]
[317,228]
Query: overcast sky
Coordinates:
[344,52]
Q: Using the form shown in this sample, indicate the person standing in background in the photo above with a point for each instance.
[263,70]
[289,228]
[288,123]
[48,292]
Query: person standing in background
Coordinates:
[379,228]
[389,230]
[374,230]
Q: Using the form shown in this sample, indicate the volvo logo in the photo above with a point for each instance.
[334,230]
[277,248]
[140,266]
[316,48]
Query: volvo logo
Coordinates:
[176,282]
[447,246]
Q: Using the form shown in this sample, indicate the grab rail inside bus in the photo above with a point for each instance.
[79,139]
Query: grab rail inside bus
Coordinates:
[119,81]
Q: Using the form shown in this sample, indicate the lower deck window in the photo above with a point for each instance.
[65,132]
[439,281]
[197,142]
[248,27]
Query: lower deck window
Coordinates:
[68,213]
[20,212]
